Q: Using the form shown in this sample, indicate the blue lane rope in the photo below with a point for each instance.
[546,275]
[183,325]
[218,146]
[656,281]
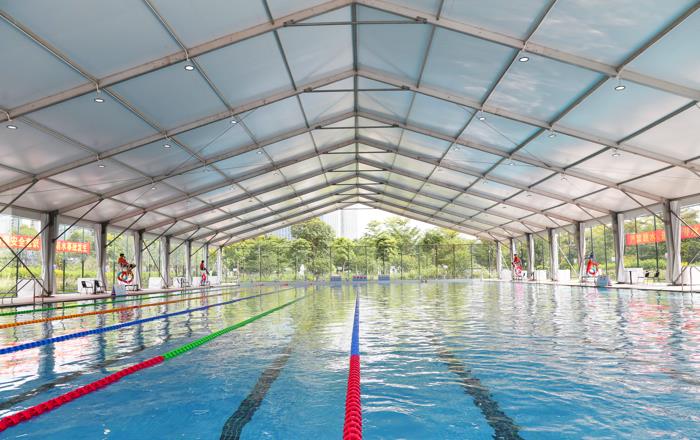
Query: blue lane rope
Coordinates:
[355,344]
[41,342]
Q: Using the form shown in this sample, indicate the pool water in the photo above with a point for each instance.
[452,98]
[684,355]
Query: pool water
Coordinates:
[443,360]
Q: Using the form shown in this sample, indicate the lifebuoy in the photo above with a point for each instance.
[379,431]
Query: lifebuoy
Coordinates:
[592,268]
[126,276]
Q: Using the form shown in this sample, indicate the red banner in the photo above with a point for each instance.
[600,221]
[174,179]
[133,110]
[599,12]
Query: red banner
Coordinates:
[659,236]
[20,241]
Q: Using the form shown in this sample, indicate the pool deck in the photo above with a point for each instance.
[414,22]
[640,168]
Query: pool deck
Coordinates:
[73,297]
[622,286]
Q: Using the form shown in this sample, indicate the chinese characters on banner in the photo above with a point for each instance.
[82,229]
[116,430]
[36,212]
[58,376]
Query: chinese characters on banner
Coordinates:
[659,236]
[20,241]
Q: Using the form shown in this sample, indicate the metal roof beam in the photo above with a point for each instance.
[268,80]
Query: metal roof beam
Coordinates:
[241,197]
[169,60]
[548,52]
[462,191]
[488,108]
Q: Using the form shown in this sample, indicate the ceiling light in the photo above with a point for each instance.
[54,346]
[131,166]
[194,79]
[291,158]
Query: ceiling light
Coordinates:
[12,127]
[99,100]
[615,153]
[153,188]
[166,145]
[552,134]
[481,118]
[524,59]
[563,177]
[620,87]
[511,163]
[100,165]
[189,67]
[233,121]
[259,151]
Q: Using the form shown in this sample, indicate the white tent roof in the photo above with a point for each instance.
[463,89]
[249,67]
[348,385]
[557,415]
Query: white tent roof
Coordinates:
[492,118]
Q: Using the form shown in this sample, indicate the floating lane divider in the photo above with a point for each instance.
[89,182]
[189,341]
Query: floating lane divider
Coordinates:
[352,430]
[27,345]
[37,410]
[144,296]
[103,312]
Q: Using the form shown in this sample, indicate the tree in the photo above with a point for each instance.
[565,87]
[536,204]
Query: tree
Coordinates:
[315,231]
[343,252]
[299,252]
[385,248]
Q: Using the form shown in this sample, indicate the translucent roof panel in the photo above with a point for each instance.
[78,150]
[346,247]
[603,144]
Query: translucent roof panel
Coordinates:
[100,127]
[94,36]
[416,144]
[495,131]
[37,148]
[243,82]
[286,115]
[393,105]
[316,52]
[196,24]
[608,34]
[464,65]
[503,16]
[439,115]
[396,49]
[541,87]
[677,137]
[171,96]
[668,58]
[272,107]
[616,114]
[21,55]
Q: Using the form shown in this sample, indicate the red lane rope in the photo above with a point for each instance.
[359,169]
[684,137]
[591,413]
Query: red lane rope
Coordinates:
[41,408]
[352,430]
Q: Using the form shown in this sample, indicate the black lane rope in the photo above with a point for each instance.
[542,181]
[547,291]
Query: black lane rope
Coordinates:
[234,425]
[503,426]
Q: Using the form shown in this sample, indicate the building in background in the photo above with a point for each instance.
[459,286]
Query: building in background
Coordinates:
[345,223]
[285,232]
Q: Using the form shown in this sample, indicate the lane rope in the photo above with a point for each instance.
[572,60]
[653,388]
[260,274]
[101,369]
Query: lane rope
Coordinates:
[103,312]
[96,303]
[41,342]
[352,429]
[37,410]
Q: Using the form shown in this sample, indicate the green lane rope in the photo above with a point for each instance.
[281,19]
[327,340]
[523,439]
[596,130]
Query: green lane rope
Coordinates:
[194,344]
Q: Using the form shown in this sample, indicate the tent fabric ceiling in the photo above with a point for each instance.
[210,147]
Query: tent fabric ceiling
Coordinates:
[224,120]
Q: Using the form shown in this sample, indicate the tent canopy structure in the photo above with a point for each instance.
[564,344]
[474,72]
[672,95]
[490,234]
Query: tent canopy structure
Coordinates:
[223,120]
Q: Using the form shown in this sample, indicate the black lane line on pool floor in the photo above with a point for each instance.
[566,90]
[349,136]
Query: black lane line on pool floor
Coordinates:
[234,425]
[504,427]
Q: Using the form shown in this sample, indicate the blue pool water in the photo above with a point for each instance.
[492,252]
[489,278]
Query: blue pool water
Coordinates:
[439,361]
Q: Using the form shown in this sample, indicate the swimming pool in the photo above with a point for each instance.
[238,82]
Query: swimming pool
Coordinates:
[439,360]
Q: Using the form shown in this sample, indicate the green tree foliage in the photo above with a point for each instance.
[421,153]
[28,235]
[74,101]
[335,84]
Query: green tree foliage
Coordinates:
[343,253]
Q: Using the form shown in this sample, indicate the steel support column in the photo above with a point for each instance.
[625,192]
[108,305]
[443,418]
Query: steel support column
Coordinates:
[553,253]
[165,260]
[672,226]
[48,253]
[618,229]
[580,239]
[513,249]
[499,260]
[530,254]
[219,263]
[188,260]
[101,254]
[138,257]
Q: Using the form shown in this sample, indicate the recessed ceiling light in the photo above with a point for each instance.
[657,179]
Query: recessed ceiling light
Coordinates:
[620,87]
[524,59]
[189,67]
[99,100]
[12,127]
[166,145]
